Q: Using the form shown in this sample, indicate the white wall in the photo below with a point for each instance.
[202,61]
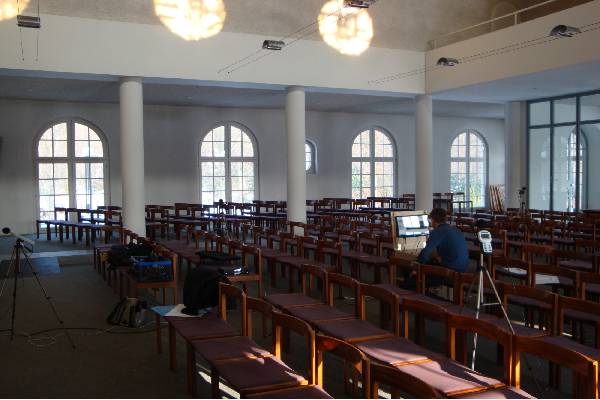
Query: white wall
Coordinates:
[172,135]
[90,46]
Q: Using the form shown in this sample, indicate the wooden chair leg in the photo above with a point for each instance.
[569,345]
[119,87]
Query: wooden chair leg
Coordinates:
[191,370]
[214,383]
[172,348]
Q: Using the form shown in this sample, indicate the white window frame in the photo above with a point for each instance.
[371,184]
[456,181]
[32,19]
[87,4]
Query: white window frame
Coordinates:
[227,159]
[372,159]
[71,160]
[313,157]
[467,159]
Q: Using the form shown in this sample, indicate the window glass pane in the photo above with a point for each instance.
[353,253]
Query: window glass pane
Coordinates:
[96,149]
[97,170]
[81,132]
[82,149]
[61,170]
[219,149]
[60,148]
[563,166]
[539,113]
[206,149]
[565,110]
[248,147]
[236,149]
[45,148]
[539,169]
[94,136]
[61,186]
[590,141]
[47,135]
[60,131]
[590,107]
[45,171]
[46,187]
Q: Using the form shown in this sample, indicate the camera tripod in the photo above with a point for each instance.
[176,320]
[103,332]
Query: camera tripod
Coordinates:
[15,268]
[485,243]
[478,279]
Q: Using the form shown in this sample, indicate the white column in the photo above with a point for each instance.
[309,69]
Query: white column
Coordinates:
[132,154]
[424,153]
[295,112]
[515,142]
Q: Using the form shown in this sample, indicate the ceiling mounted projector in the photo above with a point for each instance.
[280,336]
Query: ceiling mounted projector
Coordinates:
[564,31]
[273,44]
[447,62]
[358,3]
[26,21]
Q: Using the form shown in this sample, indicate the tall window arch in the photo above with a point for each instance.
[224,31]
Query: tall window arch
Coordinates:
[468,167]
[310,157]
[373,160]
[228,165]
[72,167]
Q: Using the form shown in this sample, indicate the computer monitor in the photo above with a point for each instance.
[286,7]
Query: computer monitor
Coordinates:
[412,225]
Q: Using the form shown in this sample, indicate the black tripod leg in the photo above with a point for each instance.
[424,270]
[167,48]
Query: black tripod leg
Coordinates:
[14,304]
[49,300]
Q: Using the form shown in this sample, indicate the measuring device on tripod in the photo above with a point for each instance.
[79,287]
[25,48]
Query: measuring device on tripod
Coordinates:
[485,242]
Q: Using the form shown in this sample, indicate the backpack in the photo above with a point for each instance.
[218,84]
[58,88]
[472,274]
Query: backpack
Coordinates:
[201,289]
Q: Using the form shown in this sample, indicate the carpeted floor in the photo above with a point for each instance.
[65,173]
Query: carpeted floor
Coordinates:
[122,362]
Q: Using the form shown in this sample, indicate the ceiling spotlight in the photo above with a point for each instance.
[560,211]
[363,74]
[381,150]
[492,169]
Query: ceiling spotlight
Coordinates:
[346,29]
[10,8]
[26,21]
[447,62]
[357,3]
[191,19]
[564,31]
[273,45]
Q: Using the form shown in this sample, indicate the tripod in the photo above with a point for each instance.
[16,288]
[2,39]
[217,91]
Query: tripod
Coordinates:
[480,272]
[522,202]
[15,266]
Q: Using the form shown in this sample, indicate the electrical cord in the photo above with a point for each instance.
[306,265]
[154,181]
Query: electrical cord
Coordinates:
[49,340]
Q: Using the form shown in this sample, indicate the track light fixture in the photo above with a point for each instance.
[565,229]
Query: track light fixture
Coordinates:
[564,31]
[357,3]
[27,21]
[273,45]
[447,62]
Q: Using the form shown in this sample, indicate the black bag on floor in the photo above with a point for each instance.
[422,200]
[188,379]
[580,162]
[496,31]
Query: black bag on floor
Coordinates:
[201,289]
[130,312]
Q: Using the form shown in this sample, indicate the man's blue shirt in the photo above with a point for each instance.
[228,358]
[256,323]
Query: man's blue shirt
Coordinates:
[450,245]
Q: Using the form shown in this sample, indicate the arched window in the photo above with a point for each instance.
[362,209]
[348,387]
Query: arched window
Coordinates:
[72,166]
[228,165]
[468,167]
[373,165]
[310,157]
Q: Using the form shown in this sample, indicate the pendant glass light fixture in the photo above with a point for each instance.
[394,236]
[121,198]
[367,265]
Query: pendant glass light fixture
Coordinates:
[10,8]
[191,19]
[349,30]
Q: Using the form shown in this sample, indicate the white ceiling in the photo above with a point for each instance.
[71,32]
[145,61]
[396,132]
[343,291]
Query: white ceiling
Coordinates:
[188,94]
[557,82]
[400,24]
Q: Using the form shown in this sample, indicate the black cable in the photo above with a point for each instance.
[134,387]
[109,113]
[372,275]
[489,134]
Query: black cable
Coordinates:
[268,53]
[485,54]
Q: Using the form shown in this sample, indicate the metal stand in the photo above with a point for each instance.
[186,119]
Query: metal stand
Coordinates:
[15,267]
[478,277]
[522,202]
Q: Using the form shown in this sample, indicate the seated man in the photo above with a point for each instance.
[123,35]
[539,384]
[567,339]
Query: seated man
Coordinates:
[446,245]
